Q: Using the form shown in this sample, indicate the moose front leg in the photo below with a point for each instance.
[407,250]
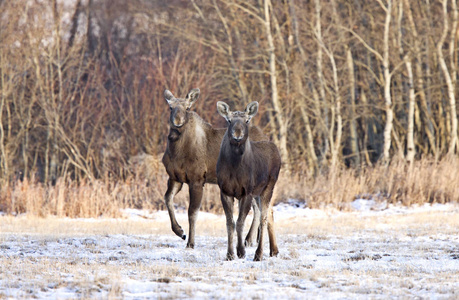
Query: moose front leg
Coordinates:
[173,187]
[196,190]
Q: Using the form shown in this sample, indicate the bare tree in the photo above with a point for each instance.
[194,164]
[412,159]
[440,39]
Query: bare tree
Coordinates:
[410,151]
[448,77]
[279,112]
[320,72]
[355,155]
[298,78]
[429,122]
[387,83]
[78,96]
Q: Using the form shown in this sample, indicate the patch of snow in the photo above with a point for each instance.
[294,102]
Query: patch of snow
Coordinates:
[366,263]
[368,204]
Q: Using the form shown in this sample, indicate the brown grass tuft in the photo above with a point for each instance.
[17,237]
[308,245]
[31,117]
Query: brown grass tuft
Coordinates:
[425,181]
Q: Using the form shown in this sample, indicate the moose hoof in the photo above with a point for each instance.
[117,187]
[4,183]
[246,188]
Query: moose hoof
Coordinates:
[241,253]
[179,232]
[274,253]
[190,246]
[258,257]
[248,243]
[230,256]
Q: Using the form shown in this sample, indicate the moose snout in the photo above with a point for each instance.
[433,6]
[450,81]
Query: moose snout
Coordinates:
[177,123]
[178,118]
[237,135]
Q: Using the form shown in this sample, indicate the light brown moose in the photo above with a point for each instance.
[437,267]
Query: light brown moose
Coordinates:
[191,157]
[246,169]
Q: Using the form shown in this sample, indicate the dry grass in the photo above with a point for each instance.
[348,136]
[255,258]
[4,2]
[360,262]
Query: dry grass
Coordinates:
[328,223]
[426,181]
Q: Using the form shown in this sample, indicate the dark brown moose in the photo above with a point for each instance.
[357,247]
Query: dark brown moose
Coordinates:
[191,157]
[246,169]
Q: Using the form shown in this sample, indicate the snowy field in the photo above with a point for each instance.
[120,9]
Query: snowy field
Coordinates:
[372,252]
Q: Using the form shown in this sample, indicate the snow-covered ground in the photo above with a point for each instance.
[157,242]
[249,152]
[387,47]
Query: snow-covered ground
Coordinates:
[396,252]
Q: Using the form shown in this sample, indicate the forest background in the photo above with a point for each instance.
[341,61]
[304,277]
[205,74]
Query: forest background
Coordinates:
[359,96]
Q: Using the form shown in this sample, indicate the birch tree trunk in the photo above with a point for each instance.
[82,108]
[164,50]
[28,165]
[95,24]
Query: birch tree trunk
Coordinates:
[321,79]
[337,111]
[279,114]
[387,84]
[410,148]
[312,157]
[449,82]
[453,62]
[56,103]
[429,121]
[354,145]
[299,84]
[453,43]
[410,151]
[3,155]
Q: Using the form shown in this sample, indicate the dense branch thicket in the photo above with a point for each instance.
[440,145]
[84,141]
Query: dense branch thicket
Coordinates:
[340,83]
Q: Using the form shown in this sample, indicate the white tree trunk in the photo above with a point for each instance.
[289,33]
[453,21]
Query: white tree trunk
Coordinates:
[429,128]
[411,151]
[302,103]
[355,159]
[387,83]
[453,62]
[320,78]
[449,82]
[337,109]
[3,154]
[279,114]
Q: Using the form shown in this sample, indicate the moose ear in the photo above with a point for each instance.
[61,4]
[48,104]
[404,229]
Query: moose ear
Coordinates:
[191,98]
[168,96]
[251,110]
[223,110]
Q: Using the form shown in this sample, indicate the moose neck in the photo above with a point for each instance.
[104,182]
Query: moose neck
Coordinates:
[239,151]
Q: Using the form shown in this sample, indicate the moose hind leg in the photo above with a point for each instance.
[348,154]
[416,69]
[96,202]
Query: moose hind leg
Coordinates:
[254,228]
[228,206]
[173,187]
[273,250]
[264,220]
[196,191]
[267,196]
